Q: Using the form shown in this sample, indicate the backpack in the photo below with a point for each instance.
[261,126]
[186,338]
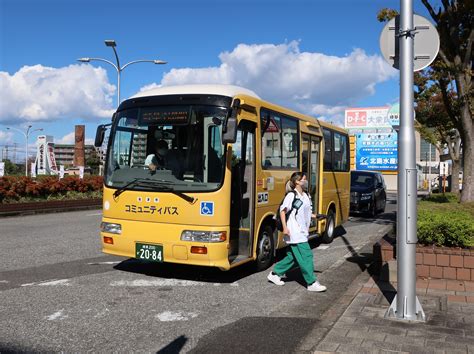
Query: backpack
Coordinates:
[296,204]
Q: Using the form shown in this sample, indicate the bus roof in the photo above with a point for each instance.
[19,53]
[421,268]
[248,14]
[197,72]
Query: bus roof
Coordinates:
[222,90]
[332,126]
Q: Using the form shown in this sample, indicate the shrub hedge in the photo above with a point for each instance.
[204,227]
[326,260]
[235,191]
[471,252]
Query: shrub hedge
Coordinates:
[445,222]
[15,189]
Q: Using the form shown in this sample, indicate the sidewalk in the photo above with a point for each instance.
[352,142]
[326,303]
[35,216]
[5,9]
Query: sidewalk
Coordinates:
[362,328]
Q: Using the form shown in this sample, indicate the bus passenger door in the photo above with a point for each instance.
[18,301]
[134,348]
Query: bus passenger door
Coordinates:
[242,193]
[310,166]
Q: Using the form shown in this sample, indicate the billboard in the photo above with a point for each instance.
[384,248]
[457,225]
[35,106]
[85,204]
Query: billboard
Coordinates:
[371,117]
[376,151]
[376,144]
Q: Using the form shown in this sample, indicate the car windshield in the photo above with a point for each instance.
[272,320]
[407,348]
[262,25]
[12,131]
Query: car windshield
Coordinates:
[179,146]
[362,179]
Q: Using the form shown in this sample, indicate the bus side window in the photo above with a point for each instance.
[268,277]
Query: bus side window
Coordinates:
[328,148]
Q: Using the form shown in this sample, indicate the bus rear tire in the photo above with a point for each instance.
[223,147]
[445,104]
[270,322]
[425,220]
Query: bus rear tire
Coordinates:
[328,235]
[265,248]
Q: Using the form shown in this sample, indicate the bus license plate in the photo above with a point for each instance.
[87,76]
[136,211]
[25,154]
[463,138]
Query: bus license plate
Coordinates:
[153,253]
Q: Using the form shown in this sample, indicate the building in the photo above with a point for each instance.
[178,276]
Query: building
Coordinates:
[428,158]
[376,145]
[64,153]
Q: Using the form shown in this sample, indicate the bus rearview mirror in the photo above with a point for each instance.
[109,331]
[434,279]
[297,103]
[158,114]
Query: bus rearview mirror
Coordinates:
[99,135]
[230,135]
[229,129]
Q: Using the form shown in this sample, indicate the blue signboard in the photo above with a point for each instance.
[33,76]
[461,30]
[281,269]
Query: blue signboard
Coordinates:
[377,151]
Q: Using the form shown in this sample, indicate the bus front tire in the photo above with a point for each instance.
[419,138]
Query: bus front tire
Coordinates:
[328,234]
[265,248]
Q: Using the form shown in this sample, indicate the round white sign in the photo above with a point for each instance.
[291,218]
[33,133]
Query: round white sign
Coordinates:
[426,42]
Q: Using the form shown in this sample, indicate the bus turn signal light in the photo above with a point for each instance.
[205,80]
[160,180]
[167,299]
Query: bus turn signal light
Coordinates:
[198,250]
[108,240]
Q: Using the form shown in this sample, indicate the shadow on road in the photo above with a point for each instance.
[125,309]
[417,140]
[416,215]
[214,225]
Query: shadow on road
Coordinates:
[381,219]
[174,347]
[185,272]
[371,263]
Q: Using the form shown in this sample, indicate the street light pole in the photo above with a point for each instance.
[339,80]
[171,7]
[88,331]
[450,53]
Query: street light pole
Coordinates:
[26,135]
[118,68]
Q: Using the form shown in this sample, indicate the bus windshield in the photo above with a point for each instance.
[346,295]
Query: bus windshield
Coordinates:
[179,146]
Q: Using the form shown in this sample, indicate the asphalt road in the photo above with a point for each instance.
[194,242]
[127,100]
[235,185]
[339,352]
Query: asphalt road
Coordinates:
[58,292]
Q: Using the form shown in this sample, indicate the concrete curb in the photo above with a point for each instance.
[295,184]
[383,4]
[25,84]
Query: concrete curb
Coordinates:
[55,206]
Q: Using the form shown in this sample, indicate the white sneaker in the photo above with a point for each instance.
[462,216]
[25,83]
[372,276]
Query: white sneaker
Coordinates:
[316,287]
[275,279]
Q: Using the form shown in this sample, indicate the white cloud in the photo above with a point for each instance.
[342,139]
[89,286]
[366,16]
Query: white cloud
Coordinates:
[6,137]
[66,139]
[39,93]
[312,83]
[70,139]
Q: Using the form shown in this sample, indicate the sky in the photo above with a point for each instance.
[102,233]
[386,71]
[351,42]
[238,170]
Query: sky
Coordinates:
[318,57]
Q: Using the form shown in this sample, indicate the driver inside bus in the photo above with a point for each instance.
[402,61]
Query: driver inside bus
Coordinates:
[157,160]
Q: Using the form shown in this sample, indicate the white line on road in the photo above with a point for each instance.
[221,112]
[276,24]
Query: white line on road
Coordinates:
[4,281]
[96,214]
[169,316]
[49,283]
[157,282]
[57,316]
[323,247]
[99,263]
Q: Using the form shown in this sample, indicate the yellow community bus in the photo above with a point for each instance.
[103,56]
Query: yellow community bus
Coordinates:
[225,156]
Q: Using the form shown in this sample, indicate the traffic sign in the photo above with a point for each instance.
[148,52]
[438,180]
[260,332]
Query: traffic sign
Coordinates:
[426,42]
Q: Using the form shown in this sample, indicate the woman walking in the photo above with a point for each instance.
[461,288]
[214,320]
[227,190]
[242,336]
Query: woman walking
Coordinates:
[296,229]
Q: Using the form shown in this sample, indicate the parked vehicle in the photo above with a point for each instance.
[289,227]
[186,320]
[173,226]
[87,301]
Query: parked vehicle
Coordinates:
[368,192]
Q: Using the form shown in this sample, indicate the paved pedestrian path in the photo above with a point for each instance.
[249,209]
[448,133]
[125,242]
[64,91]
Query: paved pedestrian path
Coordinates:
[362,327]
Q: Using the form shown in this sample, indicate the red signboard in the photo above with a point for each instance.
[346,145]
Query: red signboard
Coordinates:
[356,118]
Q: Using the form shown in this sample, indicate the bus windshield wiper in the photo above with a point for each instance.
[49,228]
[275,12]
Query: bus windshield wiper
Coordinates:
[138,181]
[158,184]
[124,187]
[164,186]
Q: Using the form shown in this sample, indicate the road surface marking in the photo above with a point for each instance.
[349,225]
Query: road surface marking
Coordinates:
[96,214]
[156,282]
[49,283]
[323,247]
[57,316]
[4,281]
[99,263]
[169,316]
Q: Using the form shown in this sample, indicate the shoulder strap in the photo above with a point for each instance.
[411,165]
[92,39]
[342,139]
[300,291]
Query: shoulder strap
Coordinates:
[294,197]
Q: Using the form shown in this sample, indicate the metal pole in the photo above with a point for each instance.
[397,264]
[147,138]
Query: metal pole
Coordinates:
[406,305]
[118,86]
[26,150]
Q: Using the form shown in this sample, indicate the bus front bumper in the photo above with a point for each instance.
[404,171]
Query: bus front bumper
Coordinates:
[169,237]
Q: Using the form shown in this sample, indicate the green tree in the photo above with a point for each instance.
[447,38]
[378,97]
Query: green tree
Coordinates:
[11,168]
[93,161]
[433,121]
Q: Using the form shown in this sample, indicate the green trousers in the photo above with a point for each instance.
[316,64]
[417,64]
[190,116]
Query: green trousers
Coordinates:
[298,254]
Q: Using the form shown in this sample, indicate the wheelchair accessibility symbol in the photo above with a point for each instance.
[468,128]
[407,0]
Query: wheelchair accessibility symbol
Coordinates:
[207,208]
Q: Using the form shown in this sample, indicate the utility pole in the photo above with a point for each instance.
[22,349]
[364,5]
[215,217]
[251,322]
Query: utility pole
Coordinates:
[14,153]
[399,48]
[426,166]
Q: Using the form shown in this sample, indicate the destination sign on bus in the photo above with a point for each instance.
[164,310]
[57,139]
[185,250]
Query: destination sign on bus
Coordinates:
[165,115]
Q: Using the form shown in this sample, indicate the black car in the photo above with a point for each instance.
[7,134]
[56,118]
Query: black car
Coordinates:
[368,192]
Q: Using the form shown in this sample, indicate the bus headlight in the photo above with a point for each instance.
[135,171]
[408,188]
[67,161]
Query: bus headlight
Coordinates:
[203,236]
[111,228]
